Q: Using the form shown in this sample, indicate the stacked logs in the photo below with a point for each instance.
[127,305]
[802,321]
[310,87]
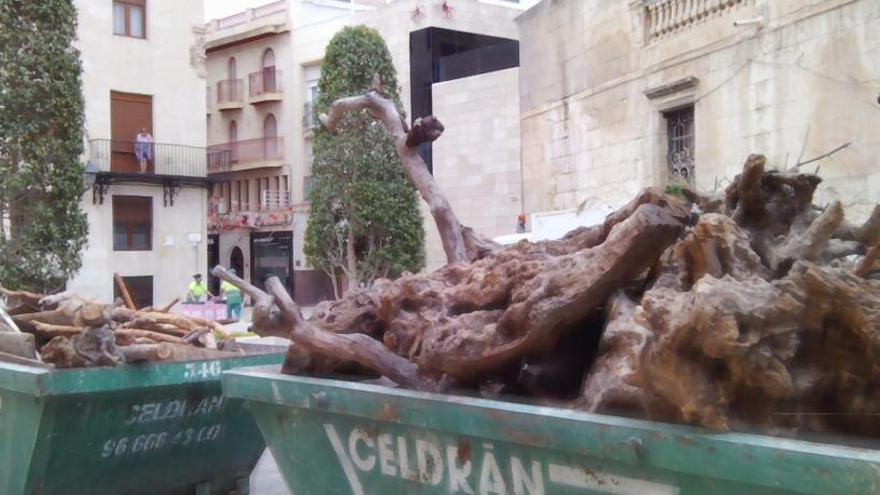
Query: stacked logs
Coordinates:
[72,332]
[748,309]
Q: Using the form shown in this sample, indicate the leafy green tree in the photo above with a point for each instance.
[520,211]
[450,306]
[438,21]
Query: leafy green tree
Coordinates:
[41,140]
[365,220]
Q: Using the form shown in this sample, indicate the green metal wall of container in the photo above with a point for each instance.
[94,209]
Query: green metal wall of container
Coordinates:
[153,429]
[334,437]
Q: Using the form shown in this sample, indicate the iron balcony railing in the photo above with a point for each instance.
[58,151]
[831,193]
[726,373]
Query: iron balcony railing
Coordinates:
[229,91]
[248,151]
[274,200]
[266,81]
[119,156]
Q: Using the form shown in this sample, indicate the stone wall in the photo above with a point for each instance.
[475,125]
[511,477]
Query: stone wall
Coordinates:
[161,65]
[795,85]
[477,161]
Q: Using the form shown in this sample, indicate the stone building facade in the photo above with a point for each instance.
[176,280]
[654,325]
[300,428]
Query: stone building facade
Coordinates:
[617,95]
[139,72]
[444,59]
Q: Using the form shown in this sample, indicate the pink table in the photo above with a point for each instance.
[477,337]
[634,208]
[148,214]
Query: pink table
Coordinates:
[210,311]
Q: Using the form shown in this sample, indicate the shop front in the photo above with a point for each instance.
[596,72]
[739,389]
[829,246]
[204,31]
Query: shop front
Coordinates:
[272,254]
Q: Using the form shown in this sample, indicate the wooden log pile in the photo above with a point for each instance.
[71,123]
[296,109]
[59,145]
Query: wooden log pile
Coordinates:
[72,332]
[748,309]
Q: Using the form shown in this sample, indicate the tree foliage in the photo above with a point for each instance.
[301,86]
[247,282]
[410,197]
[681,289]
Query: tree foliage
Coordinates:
[41,141]
[361,197]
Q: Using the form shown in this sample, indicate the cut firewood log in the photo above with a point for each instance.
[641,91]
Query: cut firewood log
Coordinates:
[194,336]
[134,333]
[170,305]
[22,298]
[94,346]
[161,322]
[183,352]
[123,290]
[267,319]
[49,331]
[140,353]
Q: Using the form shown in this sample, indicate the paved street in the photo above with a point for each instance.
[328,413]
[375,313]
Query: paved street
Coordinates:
[266,480]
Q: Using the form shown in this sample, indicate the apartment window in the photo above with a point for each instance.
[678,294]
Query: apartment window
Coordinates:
[246,195]
[139,288]
[259,194]
[130,18]
[227,196]
[132,223]
[308,186]
[680,144]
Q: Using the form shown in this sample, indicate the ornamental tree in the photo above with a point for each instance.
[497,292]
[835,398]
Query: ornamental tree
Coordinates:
[365,220]
[41,141]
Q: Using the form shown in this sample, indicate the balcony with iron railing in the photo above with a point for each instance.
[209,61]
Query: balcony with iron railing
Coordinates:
[230,94]
[266,152]
[264,86]
[160,159]
[170,165]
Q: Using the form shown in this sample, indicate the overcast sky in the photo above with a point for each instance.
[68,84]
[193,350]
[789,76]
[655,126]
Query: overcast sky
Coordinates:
[214,9]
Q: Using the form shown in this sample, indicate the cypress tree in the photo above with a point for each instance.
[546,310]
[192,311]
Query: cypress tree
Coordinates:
[361,203]
[41,140]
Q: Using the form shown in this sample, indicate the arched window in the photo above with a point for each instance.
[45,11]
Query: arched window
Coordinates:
[268,59]
[270,126]
[270,137]
[230,69]
[269,79]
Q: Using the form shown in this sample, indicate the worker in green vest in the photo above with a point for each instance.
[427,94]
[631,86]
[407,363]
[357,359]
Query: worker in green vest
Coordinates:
[233,298]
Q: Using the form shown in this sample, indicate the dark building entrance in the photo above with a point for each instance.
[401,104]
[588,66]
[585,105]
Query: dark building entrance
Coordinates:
[213,260]
[236,261]
[272,254]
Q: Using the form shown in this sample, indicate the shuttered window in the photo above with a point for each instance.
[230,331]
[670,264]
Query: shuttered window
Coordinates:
[130,18]
[132,223]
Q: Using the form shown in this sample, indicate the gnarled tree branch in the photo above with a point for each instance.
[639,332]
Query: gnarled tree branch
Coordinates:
[426,129]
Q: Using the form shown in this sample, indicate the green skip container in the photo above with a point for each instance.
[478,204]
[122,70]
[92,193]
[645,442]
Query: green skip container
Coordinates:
[336,437]
[158,429]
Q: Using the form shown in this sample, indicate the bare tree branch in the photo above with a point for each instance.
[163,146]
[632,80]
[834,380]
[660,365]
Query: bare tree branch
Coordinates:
[826,155]
[407,141]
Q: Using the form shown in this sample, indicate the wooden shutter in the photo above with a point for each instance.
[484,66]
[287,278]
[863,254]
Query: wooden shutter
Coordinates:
[128,114]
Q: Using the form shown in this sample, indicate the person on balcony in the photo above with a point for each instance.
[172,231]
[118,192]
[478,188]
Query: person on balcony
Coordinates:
[143,148]
[233,298]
